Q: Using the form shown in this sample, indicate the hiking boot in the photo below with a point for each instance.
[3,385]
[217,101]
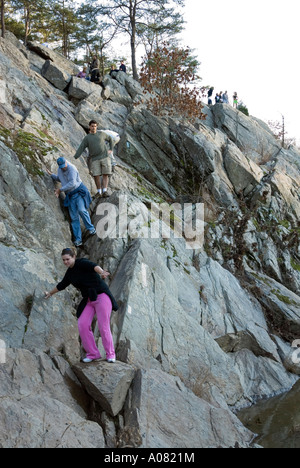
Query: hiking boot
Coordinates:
[78,244]
[105,195]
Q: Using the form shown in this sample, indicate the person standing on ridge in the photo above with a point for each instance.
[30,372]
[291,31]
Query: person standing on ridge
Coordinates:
[97,300]
[113,69]
[235,100]
[78,198]
[94,65]
[209,95]
[225,98]
[99,156]
[122,67]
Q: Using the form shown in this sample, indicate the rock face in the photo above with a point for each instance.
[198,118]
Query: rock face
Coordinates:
[208,317]
[38,409]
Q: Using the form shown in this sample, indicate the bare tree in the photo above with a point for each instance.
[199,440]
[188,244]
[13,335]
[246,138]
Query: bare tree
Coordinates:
[280,133]
[132,16]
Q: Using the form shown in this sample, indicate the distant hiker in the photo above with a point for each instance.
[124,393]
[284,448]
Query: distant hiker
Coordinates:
[97,300]
[116,139]
[225,98]
[235,100]
[95,64]
[217,98]
[209,95]
[97,78]
[78,198]
[99,160]
[113,69]
[221,97]
[83,73]
[123,66]
[95,74]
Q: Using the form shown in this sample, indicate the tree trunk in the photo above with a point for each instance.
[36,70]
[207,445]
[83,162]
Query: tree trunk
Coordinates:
[2,18]
[132,39]
[133,59]
[283,131]
[27,24]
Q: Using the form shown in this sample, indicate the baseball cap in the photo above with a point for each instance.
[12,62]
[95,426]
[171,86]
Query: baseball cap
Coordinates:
[61,163]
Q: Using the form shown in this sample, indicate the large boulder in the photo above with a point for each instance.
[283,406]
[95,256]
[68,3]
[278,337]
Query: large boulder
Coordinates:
[48,54]
[152,417]
[81,88]
[56,75]
[107,384]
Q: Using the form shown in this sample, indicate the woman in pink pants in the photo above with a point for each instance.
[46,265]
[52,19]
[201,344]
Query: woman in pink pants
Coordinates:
[97,300]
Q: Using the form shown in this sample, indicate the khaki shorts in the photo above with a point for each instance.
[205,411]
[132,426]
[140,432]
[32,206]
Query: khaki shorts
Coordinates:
[100,167]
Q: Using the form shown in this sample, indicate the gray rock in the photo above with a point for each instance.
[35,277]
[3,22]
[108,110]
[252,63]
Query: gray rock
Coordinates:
[255,140]
[48,54]
[38,409]
[144,285]
[107,383]
[81,89]
[152,417]
[243,173]
[117,92]
[3,231]
[58,77]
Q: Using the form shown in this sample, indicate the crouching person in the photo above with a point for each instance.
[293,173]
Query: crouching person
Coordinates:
[97,300]
[78,198]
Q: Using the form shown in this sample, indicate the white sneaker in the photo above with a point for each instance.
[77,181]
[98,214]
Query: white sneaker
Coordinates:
[111,360]
[88,360]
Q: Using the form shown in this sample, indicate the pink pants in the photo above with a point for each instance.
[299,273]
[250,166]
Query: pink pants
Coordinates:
[102,307]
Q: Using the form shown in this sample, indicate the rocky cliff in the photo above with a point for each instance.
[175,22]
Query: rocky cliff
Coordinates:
[200,332]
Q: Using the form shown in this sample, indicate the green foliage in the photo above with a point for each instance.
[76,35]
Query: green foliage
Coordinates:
[28,148]
[26,18]
[243,108]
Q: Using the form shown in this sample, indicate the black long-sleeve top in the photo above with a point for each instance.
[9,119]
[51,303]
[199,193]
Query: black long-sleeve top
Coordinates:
[83,277]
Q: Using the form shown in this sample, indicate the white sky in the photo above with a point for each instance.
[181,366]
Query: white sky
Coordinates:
[250,47]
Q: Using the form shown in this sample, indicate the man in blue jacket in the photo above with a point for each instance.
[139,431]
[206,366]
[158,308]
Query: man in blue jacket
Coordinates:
[78,198]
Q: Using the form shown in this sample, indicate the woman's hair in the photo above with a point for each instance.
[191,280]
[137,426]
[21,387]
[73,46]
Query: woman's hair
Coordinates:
[72,252]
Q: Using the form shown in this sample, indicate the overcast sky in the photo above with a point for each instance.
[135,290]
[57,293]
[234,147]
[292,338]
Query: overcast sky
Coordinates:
[250,47]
